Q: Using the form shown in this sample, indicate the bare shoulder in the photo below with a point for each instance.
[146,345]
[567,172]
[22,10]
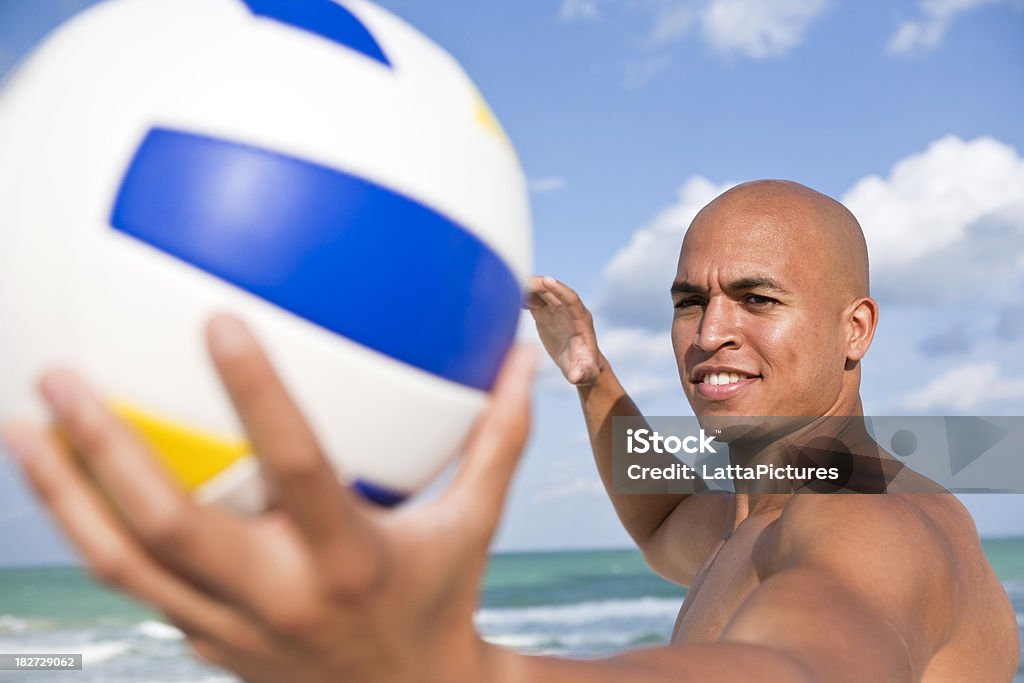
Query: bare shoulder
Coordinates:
[900,534]
[914,558]
[889,552]
[892,515]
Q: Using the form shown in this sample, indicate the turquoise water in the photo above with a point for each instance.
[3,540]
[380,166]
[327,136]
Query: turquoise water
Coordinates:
[1007,558]
[571,603]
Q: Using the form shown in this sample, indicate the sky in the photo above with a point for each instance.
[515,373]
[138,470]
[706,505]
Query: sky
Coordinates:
[630,115]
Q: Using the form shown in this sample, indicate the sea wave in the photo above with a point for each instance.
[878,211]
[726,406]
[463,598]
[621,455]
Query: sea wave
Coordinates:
[579,613]
[520,641]
[9,624]
[101,651]
[158,630]
[583,641]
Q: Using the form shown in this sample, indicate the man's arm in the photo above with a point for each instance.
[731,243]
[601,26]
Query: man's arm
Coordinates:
[674,531]
[326,587]
[860,595]
[801,627]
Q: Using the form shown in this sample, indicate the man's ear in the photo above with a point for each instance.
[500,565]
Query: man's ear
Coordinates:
[862,318]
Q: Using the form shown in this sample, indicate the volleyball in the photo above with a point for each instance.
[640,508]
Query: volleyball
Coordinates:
[319,168]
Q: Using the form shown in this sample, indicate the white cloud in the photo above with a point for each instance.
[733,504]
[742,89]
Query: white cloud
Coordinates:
[643,359]
[753,28]
[756,28]
[945,226]
[983,268]
[636,345]
[635,283]
[928,31]
[673,21]
[645,385]
[945,223]
[546,185]
[929,199]
[572,10]
[964,389]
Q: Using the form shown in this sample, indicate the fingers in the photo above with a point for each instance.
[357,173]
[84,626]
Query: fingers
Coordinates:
[112,452]
[492,452]
[538,296]
[539,300]
[545,291]
[553,292]
[109,550]
[565,294]
[204,544]
[306,486]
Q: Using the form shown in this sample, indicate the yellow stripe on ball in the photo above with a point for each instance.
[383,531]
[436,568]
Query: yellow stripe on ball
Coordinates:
[486,118]
[192,457]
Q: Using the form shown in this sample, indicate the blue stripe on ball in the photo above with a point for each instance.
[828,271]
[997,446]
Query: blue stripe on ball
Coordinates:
[378,494]
[344,253]
[326,19]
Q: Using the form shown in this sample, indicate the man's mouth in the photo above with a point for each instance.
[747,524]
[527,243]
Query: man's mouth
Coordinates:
[721,385]
[719,378]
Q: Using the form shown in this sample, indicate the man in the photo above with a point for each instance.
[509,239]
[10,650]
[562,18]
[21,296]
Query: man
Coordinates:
[772,288]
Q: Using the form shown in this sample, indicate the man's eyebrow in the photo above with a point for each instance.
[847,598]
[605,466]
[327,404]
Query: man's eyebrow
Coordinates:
[753,282]
[758,282]
[684,287]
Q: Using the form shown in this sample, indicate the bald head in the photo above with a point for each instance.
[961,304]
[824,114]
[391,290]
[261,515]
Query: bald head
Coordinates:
[772,288]
[790,215]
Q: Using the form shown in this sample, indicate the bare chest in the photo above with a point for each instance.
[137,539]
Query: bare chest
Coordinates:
[729,575]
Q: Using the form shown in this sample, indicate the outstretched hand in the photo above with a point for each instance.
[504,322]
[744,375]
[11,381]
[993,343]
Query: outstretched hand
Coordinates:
[566,329]
[324,587]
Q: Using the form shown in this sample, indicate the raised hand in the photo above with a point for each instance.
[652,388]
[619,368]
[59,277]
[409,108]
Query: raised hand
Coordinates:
[566,329]
[325,587]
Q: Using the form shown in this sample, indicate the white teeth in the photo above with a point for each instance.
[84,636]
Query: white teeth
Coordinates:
[717,378]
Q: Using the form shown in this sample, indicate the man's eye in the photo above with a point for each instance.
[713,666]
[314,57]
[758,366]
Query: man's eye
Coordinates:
[759,301]
[687,303]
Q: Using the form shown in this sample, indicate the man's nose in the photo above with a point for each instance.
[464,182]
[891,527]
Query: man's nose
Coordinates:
[718,326]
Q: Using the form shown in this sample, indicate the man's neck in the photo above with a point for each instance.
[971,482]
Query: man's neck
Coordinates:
[798,444]
[754,504]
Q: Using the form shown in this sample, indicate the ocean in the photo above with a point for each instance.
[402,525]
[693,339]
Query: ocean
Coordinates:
[577,604]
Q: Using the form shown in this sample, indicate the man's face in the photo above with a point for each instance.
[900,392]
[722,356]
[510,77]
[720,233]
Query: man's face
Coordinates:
[757,326]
